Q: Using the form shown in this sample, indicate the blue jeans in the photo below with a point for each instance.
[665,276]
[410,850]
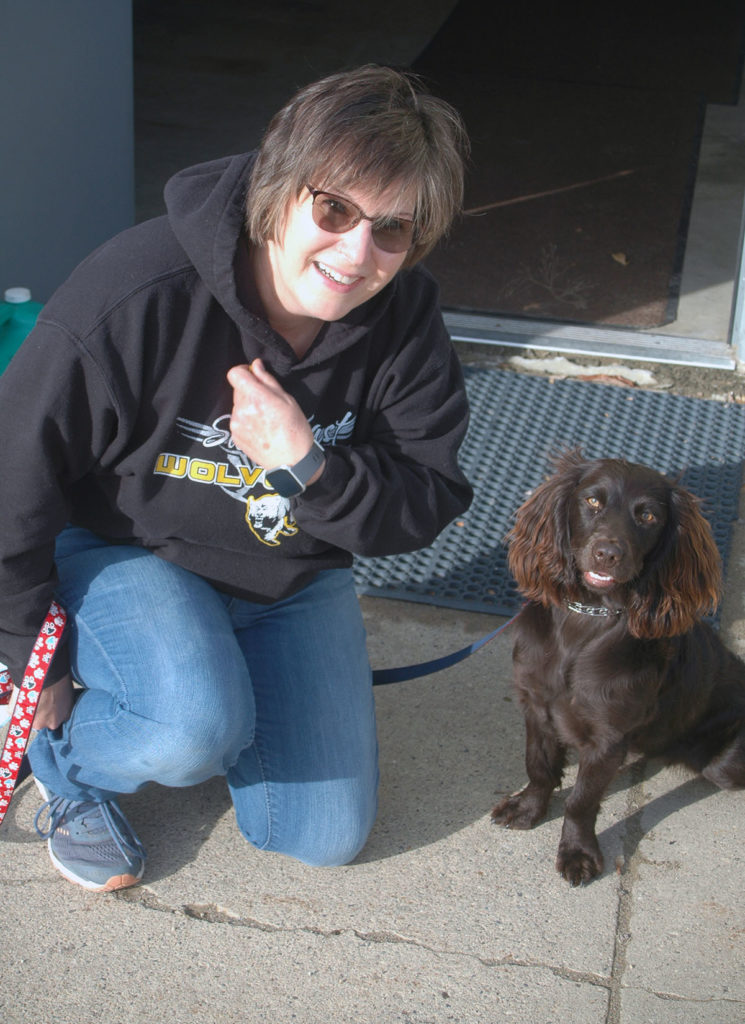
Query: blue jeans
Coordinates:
[182,683]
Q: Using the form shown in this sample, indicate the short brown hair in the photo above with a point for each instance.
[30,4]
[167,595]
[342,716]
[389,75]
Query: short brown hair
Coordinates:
[374,126]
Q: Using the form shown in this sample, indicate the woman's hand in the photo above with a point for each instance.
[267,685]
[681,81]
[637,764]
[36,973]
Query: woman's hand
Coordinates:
[266,423]
[55,704]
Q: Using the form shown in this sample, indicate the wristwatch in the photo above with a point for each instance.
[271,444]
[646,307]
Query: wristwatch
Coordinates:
[288,481]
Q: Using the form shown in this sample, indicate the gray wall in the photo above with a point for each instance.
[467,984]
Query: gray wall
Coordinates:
[66,135]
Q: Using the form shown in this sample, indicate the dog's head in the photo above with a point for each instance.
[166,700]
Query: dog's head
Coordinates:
[620,533]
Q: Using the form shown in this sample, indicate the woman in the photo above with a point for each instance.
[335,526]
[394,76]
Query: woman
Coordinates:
[215,411]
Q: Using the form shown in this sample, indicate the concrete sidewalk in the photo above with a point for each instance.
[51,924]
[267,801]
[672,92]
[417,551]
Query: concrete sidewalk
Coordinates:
[444,918]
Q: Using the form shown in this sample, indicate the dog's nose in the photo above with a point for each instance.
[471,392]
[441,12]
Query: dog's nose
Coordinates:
[606,552]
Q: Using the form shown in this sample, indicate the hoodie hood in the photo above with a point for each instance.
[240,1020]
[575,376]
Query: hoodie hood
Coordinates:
[205,207]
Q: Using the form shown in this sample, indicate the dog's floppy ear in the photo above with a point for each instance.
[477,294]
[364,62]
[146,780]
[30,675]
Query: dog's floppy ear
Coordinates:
[684,583]
[539,555]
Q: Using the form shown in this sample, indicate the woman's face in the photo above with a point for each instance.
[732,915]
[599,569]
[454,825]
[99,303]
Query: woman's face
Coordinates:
[317,275]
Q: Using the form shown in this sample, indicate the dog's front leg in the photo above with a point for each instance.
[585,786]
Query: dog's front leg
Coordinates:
[545,758]
[579,858]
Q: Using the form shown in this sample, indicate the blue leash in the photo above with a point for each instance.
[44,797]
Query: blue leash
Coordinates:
[383,676]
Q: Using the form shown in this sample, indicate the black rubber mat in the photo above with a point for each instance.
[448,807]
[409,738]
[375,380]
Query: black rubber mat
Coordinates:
[517,422]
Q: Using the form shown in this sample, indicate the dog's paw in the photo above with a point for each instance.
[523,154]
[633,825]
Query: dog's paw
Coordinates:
[521,810]
[579,865]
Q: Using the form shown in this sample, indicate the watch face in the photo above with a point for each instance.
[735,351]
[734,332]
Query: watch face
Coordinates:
[284,483]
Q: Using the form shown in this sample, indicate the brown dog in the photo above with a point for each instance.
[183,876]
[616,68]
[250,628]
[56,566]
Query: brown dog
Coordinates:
[611,655]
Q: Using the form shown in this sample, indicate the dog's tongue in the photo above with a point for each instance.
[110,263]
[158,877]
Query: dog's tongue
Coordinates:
[596,579]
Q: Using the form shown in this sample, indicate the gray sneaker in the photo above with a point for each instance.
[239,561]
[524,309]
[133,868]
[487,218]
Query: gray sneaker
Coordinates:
[91,843]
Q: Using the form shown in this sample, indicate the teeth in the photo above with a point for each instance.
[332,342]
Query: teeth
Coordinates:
[599,576]
[335,275]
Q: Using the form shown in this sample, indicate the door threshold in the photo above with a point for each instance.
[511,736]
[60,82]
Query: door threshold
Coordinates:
[608,342]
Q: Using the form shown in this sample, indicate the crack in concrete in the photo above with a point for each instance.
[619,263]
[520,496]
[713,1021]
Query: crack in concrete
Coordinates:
[673,997]
[211,913]
[632,837]
[566,973]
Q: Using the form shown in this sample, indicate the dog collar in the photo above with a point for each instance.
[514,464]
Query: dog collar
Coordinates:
[592,609]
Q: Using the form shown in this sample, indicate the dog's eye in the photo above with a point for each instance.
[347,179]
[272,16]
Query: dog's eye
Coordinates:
[594,503]
[647,517]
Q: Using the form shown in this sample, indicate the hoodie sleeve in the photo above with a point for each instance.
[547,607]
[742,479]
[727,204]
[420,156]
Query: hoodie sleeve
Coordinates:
[55,415]
[399,483]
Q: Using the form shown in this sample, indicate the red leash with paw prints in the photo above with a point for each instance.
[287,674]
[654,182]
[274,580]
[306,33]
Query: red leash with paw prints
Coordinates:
[22,719]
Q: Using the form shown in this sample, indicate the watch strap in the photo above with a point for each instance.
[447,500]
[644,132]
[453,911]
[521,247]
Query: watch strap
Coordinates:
[307,466]
[300,472]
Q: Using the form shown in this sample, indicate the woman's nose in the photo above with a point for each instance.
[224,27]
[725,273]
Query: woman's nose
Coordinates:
[357,243]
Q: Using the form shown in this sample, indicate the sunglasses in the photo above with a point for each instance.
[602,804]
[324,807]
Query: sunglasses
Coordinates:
[336,215]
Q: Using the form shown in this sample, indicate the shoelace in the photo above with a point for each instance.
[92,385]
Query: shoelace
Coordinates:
[58,809]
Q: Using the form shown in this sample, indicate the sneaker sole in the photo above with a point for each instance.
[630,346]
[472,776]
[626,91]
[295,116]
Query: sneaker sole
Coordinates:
[114,883]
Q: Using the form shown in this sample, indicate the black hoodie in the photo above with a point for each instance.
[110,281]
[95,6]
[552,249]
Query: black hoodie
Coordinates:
[115,416]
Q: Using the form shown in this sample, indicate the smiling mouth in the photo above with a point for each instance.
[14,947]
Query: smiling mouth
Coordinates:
[598,580]
[334,275]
